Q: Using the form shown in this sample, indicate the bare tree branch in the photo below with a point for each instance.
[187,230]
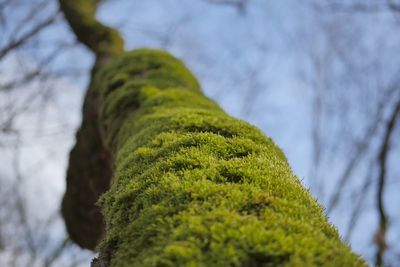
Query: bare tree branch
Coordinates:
[20,205]
[393,5]
[23,39]
[240,5]
[38,70]
[57,252]
[362,146]
[361,195]
[380,236]
[359,7]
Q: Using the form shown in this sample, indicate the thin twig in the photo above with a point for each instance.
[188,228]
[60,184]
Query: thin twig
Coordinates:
[380,236]
[361,196]
[23,39]
[361,149]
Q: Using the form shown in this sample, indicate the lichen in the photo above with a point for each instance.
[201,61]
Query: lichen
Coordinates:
[193,186]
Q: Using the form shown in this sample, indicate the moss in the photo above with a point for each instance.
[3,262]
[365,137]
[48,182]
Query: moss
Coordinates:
[193,186]
[99,38]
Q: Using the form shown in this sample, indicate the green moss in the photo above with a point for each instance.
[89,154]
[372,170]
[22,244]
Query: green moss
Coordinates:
[81,15]
[193,186]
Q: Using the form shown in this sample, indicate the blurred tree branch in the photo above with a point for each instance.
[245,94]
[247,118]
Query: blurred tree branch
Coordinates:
[360,197]
[13,44]
[27,56]
[362,147]
[380,236]
[240,5]
[359,6]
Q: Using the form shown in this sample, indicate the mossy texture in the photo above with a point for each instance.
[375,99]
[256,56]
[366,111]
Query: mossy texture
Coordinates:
[193,186]
[101,39]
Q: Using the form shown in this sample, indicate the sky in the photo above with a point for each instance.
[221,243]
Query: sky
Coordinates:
[255,63]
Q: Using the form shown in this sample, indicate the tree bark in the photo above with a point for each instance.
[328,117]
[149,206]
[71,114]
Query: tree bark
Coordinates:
[190,186]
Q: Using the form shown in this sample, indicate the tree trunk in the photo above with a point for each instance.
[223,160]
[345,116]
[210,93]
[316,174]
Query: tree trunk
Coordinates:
[190,186]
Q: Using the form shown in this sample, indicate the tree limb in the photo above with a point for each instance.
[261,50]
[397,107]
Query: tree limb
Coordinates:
[361,148]
[102,40]
[17,43]
[240,5]
[89,169]
[380,237]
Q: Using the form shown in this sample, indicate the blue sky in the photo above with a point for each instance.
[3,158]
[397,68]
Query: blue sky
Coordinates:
[256,65]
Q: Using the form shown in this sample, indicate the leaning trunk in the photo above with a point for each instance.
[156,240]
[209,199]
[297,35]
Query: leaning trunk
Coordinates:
[178,181]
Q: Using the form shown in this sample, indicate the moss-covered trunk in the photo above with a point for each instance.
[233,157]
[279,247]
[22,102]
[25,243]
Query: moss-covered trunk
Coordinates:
[190,186]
